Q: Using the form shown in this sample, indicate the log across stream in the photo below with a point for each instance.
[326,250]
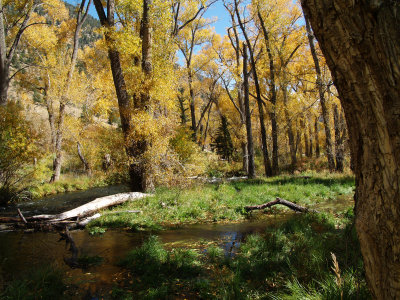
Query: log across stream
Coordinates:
[75,218]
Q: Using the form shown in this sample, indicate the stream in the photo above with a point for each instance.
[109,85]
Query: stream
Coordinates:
[21,252]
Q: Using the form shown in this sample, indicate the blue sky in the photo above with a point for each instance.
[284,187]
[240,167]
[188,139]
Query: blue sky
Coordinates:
[216,10]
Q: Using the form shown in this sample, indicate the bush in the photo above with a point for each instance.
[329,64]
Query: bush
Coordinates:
[18,151]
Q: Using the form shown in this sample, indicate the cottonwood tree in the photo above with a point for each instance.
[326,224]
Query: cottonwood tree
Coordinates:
[252,56]
[360,41]
[12,28]
[64,100]
[193,33]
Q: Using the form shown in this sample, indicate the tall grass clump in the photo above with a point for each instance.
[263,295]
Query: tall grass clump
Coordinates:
[42,283]
[295,260]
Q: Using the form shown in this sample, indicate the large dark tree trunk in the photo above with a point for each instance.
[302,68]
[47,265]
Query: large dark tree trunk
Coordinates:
[361,43]
[316,136]
[250,149]
[325,111]
[272,97]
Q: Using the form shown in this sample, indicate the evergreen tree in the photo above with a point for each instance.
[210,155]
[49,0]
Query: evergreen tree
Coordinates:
[223,143]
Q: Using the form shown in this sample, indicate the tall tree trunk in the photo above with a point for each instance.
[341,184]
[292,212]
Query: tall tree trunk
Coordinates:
[340,133]
[310,143]
[289,126]
[192,104]
[267,162]
[305,135]
[4,63]
[325,111]
[316,137]
[273,98]
[361,43]
[124,99]
[250,148]
[85,163]
[80,19]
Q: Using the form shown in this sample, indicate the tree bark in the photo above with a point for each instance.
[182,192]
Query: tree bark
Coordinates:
[316,136]
[340,133]
[239,86]
[6,57]
[325,112]
[273,98]
[361,43]
[133,148]
[250,148]
[85,163]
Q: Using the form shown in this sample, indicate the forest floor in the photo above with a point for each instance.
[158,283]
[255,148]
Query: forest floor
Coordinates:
[225,201]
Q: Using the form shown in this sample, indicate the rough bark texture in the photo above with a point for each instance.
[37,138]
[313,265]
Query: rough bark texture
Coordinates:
[316,137]
[250,148]
[133,148]
[325,112]
[361,43]
[272,97]
[340,134]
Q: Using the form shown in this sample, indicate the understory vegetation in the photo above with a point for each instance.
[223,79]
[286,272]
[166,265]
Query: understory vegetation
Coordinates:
[305,256]
[225,201]
[310,256]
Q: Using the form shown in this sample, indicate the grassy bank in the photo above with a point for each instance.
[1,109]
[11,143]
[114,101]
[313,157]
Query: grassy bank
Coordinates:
[306,257]
[225,201]
[67,183]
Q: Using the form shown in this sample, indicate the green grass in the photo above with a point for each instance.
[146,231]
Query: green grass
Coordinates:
[67,183]
[226,201]
[41,283]
[291,260]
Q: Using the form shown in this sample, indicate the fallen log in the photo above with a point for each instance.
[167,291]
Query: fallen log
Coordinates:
[75,218]
[91,207]
[291,205]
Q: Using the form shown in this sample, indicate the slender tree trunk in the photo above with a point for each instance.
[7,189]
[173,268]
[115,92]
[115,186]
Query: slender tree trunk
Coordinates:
[310,151]
[305,135]
[316,136]
[4,64]
[340,132]
[289,125]
[250,148]
[361,44]
[192,104]
[4,82]
[57,162]
[325,111]
[80,19]
[85,163]
[267,162]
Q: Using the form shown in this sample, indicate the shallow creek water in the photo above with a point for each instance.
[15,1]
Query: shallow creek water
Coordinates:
[20,251]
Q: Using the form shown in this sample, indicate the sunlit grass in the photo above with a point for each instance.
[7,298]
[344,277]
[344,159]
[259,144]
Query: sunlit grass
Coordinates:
[226,201]
[291,260]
